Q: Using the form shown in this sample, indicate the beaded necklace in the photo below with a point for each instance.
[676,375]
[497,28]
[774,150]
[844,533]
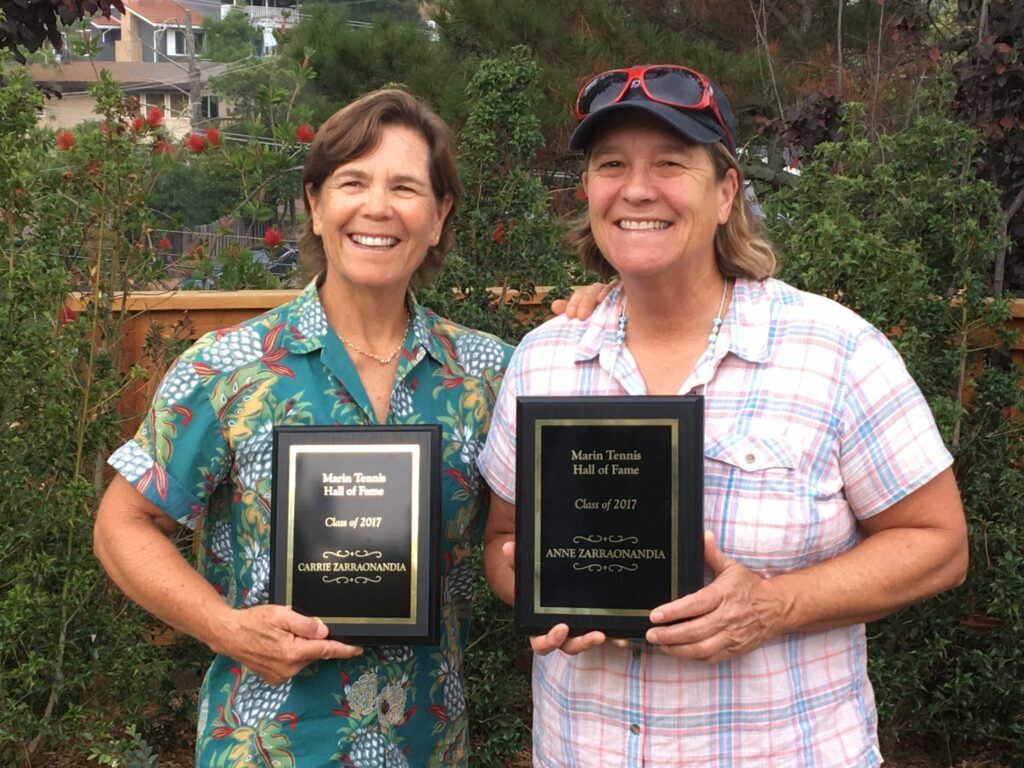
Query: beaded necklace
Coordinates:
[716,325]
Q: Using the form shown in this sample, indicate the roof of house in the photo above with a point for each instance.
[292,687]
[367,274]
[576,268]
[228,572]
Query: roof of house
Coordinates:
[162,76]
[103,22]
[162,12]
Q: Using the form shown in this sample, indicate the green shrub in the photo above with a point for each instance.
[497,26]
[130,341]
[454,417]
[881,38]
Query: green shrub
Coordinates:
[506,234]
[902,230]
[72,655]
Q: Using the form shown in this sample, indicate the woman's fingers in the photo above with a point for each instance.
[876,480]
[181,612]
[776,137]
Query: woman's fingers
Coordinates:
[544,644]
[558,638]
[276,642]
[575,645]
[583,301]
[508,551]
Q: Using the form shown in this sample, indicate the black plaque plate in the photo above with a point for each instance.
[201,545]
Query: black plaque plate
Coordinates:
[355,529]
[609,510]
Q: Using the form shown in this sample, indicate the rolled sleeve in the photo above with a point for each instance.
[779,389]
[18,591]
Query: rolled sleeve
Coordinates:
[179,454]
[890,444]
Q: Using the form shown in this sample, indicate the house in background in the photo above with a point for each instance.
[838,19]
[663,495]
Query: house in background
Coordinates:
[146,51]
[156,84]
[156,30]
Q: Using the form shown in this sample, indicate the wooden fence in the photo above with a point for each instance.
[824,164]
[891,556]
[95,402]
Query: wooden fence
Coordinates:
[190,314]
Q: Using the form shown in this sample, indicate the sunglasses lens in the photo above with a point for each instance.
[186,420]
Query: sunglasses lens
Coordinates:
[675,86]
[600,92]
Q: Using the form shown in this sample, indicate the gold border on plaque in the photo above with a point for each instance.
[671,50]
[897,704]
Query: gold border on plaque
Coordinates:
[413,451]
[538,426]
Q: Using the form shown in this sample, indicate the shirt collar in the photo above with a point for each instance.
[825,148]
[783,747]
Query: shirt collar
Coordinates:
[601,327]
[307,322]
[748,325]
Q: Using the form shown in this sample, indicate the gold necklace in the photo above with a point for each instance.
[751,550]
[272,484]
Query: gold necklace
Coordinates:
[378,358]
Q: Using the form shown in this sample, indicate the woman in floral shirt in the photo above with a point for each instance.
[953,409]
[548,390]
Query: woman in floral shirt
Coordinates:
[353,348]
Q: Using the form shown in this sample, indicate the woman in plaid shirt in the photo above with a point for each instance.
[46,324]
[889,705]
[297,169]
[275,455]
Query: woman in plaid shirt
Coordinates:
[829,497]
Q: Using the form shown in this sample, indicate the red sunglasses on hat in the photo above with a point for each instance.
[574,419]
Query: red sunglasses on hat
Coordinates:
[668,84]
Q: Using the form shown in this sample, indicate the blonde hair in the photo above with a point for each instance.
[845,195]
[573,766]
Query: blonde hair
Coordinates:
[741,249]
[354,132]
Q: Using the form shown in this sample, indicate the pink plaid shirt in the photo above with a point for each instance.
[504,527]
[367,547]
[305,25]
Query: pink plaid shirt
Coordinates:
[811,424]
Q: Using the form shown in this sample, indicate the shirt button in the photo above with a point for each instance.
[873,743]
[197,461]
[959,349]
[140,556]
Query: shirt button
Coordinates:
[634,728]
[637,652]
[749,458]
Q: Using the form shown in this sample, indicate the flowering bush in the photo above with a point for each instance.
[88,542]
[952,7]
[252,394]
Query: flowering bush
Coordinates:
[272,237]
[71,652]
[195,143]
[305,133]
[65,140]
[154,117]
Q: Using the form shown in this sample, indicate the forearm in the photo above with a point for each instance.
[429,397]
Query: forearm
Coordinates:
[150,570]
[887,571]
[499,574]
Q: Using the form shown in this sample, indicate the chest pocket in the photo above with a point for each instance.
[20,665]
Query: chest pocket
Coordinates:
[751,499]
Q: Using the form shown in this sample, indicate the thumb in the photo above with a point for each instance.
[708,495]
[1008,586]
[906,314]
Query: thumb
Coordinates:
[717,560]
[309,627]
[508,551]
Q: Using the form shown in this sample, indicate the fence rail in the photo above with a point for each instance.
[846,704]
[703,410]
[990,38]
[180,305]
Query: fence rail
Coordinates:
[190,314]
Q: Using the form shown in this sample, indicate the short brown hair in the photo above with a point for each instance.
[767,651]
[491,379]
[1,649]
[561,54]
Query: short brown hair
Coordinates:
[740,248]
[356,130]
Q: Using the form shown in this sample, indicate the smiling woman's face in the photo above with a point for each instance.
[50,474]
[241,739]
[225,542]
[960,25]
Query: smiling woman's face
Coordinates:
[377,214]
[654,200]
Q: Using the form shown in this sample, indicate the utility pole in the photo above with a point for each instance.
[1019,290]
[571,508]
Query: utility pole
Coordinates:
[195,84]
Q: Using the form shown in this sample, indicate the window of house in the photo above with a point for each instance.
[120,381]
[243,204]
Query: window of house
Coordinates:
[178,104]
[210,108]
[175,42]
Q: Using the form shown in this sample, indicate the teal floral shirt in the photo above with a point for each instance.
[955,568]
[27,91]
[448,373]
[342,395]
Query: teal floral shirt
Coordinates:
[203,454]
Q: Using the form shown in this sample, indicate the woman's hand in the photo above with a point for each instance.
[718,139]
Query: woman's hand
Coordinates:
[500,570]
[131,541]
[557,638]
[733,615]
[276,642]
[581,304]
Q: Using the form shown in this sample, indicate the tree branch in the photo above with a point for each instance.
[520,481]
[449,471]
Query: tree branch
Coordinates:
[766,173]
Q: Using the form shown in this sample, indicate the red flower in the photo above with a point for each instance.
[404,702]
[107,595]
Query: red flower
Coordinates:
[65,140]
[66,315]
[195,143]
[154,117]
[94,168]
[272,237]
[498,235]
[103,128]
[213,136]
[164,244]
[161,147]
[305,133]
[137,124]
